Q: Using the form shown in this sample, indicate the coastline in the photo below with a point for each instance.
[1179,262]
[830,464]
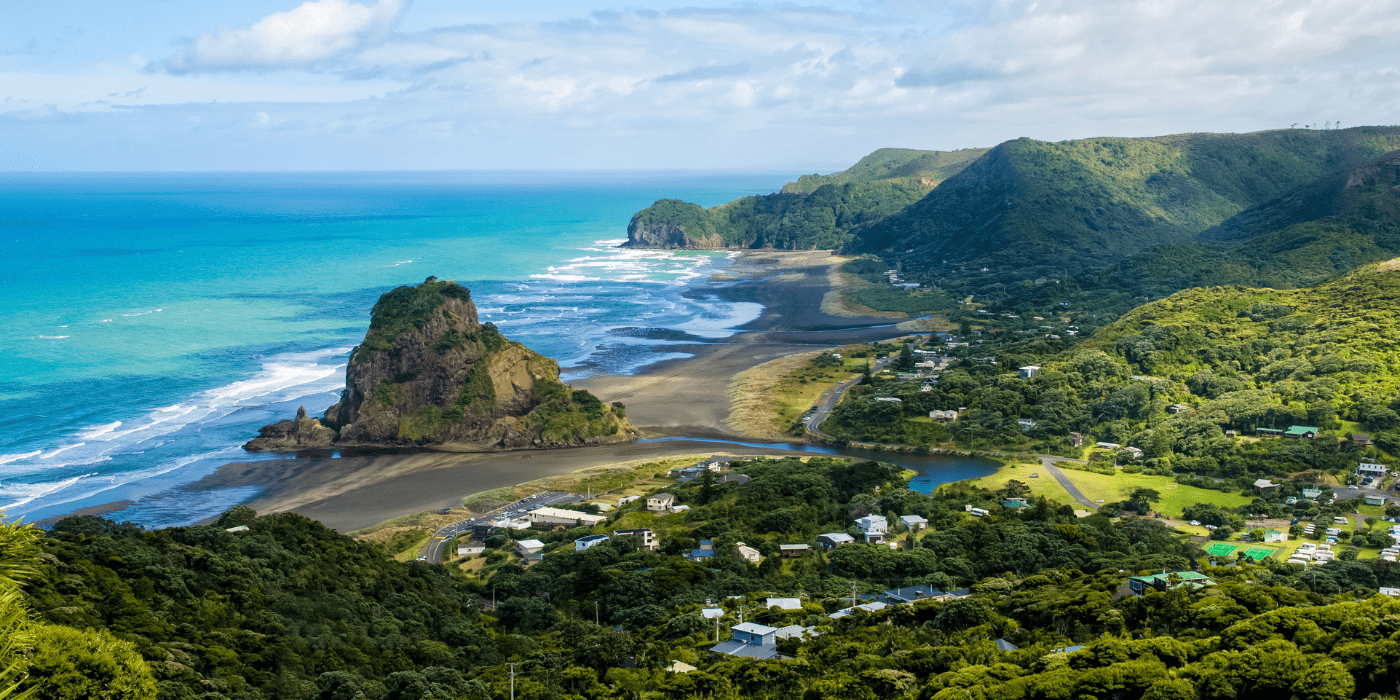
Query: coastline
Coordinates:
[687,397]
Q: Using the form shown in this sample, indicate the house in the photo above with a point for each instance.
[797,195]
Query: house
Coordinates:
[832,540]
[911,594]
[750,640]
[1027,424]
[1002,645]
[977,512]
[739,479]
[660,502]
[1268,432]
[626,499]
[867,607]
[509,523]
[1263,486]
[783,603]
[529,546]
[711,613]
[943,415]
[1301,431]
[679,666]
[1372,469]
[237,528]
[874,527]
[1312,494]
[550,517]
[1231,434]
[679,509]
[1162,581]
[796,632]
[470,549]
[1076,439]
[743,552]
[1375,500]
[889,399]
[914,523]
[589,542]
[794,550]
[1275,536]
[706,552]
[1360,439]
[1029,371]
[1107,446]
[1392,592]
[1178,408]
[1015,503]
[1132,452]
[644,534]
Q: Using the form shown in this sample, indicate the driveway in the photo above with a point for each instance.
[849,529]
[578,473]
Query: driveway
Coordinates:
[1048,462]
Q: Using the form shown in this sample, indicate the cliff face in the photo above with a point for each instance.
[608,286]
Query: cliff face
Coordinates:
[428,372]
[671,223]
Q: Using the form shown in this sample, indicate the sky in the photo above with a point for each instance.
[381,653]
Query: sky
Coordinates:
[275,85]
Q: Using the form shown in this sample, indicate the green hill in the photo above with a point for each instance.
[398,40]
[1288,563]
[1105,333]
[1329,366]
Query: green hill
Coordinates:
[1030,209]
[816,211]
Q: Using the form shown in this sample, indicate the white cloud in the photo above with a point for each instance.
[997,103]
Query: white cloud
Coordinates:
[308,35]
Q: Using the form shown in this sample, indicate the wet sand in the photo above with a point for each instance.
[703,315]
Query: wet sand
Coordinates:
[688,397]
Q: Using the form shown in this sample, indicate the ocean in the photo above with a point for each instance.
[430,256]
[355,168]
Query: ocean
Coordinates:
[153,322]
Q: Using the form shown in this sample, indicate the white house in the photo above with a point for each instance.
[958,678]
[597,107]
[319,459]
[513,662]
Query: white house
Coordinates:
[783,603]
[470,549]
[529,546]
[943,415]
[914,522]
[1372,469]
[660,501]
[550,517]
[589,542]
[1026,424]
[874,527]
[644,534]
[1029,371]
[747,553]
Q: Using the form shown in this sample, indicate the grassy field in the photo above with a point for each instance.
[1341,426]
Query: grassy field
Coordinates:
[1044,485]
[1174,497]
[770,398]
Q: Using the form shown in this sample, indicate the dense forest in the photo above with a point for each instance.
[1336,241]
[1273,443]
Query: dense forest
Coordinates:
[288,609]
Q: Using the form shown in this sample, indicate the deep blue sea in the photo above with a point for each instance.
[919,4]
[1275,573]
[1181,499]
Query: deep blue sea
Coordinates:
[152,323]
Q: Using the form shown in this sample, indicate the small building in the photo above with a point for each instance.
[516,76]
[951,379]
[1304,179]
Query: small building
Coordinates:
[743,552]
[679,666]
[914,523]
[706,552]
[1372,500]
[1076,439]
[644,534]
[912,593]
[679,509]
[711,613]
[589,542]
[529,546]
[1312,494]
[1392,592]
[943,415]
[977,512]
[471,549]
[237,528]
[550,517]
[874,527]
[626,499]
[1263,486]
[889,399]
[794,550]
[660,502]
[1178,408]
[1268,432]
[867,607]
[739,479]
[1002,645]
[1231,434]
[1132,452]
[1015,503]
[750,640]
[1372,469]
[1027,424]
[1107,446]
[1361,439]
[783,603]
[1301,431]
[1275,536]
[1162,581]
[1029,371]
[832,540]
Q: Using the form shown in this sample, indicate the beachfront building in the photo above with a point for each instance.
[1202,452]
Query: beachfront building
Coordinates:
[660,502]
[874,528]
[551,517]
[589,542]
[647,537]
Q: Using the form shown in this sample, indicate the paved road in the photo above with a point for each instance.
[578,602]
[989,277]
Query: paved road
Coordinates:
[1048,462]
[432,551]
[833,396]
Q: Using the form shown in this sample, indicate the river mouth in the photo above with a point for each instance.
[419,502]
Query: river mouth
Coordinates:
[932,470]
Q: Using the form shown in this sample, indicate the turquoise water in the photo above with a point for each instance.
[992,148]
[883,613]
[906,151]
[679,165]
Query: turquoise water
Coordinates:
[153,322]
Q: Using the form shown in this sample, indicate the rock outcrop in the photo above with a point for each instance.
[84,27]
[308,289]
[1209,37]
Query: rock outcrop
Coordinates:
[429,373]
[671,223]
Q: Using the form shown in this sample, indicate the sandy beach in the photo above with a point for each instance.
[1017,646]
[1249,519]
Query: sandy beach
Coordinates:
[688,397]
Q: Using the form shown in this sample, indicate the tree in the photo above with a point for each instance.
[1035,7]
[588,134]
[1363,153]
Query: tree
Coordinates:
[708,490]
[69,664]
[1327,680]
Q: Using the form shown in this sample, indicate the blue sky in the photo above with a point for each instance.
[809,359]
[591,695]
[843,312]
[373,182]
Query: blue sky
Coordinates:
[467,85]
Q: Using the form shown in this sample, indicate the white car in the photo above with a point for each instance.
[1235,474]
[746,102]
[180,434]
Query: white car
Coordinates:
[1195,522]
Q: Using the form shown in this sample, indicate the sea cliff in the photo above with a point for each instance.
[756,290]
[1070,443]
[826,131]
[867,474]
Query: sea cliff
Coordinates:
[430,373]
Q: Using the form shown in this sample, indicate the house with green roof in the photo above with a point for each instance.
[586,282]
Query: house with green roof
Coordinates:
[1164,580]
[1301,431]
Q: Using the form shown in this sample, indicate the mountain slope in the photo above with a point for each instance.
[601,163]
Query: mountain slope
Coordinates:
[816,211]
[429,372]
[1030,209]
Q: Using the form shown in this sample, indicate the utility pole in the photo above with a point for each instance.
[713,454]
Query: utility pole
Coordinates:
[716,630]
[512,681]
[853,596]
[595,612]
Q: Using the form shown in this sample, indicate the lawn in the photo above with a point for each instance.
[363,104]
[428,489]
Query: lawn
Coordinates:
[770,398]
[1044,485]
[1174,496]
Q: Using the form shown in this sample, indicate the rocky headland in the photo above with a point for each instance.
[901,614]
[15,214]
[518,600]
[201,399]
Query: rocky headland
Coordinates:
[430,374]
